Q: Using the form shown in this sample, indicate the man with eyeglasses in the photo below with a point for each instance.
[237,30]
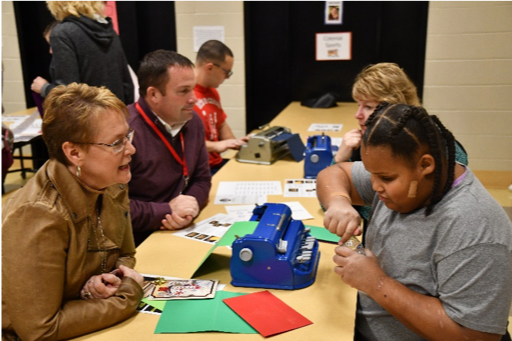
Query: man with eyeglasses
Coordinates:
[214,64]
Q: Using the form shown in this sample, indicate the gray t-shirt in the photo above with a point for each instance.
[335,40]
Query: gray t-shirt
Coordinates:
[461,254]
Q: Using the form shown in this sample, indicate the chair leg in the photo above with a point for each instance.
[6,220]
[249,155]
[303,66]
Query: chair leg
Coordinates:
[23,172]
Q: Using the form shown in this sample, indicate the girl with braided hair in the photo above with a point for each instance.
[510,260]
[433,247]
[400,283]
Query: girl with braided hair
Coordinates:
[375,84]
[438,257]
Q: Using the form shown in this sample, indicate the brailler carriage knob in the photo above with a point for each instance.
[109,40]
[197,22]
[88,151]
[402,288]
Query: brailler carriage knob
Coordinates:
[245,254]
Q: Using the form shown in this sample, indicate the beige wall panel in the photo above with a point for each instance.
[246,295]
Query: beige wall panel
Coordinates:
[469,46]
[231,96]
[8,24]
[12,70]
[10,47]
[11,107]
[228,14]
[187,7]
[236,118]
[186,48]
[13,96]
[467,77]
[234,115]
[472,19]
[470,97]
[469,72]
[476,123]
[465,4]
[491,165]
[224,7]
[477,147]
[7,7]
[184,7]
[11,91]
[232,26]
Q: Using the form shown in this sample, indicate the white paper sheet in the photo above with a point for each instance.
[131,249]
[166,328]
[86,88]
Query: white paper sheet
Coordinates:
[25,128]
[325,127]
[246,192]
[244,212]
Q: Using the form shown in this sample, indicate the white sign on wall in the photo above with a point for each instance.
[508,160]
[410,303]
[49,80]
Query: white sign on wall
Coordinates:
[334,46]
[204,33]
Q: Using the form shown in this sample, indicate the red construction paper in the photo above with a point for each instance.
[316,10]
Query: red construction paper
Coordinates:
[266,313]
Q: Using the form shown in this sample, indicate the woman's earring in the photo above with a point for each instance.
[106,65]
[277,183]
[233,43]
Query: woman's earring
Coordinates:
[78,171]
[413,188]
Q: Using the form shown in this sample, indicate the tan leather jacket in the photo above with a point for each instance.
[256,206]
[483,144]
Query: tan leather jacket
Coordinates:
[49,251]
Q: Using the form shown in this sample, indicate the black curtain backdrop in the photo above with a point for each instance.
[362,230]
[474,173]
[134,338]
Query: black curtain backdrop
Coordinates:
[280,50]
[144,26]
[279,45]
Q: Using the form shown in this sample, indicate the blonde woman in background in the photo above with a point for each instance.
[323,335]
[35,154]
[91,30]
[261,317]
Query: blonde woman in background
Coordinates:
[383,82]
[86,49]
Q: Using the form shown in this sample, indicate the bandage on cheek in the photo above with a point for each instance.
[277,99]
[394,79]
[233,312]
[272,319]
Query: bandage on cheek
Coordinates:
[413,188]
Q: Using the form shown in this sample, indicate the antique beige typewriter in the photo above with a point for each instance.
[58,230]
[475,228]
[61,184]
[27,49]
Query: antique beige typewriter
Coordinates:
[271,145]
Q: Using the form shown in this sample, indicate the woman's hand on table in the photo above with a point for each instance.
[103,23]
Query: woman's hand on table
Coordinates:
[106,285]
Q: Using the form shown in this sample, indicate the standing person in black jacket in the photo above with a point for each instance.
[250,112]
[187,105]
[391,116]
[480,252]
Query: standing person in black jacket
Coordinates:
[86,49]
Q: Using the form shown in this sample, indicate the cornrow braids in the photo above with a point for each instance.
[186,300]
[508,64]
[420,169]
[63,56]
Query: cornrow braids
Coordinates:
[437,151]
[405,129]
[450,143]
[379,107]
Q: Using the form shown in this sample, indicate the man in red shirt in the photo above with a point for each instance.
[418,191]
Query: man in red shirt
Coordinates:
[214,63]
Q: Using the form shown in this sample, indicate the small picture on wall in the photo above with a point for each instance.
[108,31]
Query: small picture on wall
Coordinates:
[333,12]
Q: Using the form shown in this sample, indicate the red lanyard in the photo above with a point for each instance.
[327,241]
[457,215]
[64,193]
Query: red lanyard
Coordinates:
[181,161]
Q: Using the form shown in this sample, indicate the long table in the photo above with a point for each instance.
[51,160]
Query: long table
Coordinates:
[328,303]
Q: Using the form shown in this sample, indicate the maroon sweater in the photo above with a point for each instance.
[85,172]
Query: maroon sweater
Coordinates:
[157,177]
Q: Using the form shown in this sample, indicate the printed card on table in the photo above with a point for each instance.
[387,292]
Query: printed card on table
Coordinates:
[300,188]
[172,288]
[209,230]
[184,289]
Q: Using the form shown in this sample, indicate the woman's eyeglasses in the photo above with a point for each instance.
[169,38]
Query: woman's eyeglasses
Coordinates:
[118,146]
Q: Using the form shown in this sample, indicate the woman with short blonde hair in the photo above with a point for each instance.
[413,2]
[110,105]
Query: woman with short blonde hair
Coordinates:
[385,82]
[68,249]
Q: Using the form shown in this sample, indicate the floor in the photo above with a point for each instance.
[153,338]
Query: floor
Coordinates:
[496,182]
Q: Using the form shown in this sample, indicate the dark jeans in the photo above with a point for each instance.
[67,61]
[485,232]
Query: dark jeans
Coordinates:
[359,337]
[219,166]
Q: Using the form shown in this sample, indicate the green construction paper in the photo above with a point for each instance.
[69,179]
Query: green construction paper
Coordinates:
[159,304]
[240,228]
[323,234]
[192,316]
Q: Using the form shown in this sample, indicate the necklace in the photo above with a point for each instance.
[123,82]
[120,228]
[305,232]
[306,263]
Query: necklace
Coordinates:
[104,251]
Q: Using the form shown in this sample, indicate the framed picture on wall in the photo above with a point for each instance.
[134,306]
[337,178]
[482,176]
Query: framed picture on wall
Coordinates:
[334,46]
[333,12]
